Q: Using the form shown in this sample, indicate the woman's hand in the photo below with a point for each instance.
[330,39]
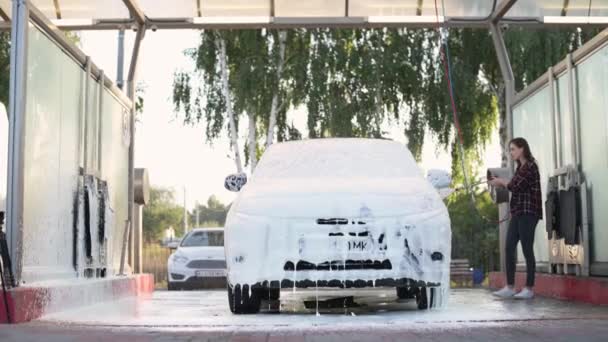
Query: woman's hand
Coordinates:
[498,182]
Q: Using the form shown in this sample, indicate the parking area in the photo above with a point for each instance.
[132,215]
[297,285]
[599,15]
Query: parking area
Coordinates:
[204,315]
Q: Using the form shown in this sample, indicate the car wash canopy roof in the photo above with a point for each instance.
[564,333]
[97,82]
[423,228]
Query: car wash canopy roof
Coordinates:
[193,14]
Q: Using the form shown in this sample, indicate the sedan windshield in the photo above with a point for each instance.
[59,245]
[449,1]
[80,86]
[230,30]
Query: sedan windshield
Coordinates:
[337,158]
[203,239]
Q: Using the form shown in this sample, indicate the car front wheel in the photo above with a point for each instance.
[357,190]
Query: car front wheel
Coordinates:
[425,300]
[271,294]
[243,300]
[172,286]
[406,292]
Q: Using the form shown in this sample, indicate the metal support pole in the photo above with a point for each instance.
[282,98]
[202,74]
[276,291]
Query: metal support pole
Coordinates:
[507,75]
[137,228]
[573,105]
[197,216]
[16,153]
[185,214]
[509,80]
[120,82]
[100,121]
[131,95]
[85,117]
[554,127]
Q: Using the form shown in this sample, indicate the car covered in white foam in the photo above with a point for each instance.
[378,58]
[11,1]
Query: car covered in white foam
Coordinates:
[341,213]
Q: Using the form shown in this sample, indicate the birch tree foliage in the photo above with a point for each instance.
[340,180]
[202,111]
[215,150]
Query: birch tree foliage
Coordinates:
[358,82]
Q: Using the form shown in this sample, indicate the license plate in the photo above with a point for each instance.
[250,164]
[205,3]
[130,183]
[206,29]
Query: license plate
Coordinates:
[210,274]
[358,245]
[335,247]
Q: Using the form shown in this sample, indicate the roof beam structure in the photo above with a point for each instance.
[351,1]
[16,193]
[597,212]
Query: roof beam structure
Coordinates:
[419,7]
[201,20]
[502,9]
[57,9]
[4,14]
[136,12]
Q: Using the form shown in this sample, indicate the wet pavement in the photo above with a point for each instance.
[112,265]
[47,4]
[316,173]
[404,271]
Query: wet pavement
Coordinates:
[472,315]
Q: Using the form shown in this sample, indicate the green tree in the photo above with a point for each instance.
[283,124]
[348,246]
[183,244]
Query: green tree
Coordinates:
[251,72]
[213,214]
[474,230]
[161,213]
[5,65]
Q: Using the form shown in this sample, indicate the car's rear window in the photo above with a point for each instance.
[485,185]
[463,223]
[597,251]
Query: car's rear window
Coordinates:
[337,158]
[203,239]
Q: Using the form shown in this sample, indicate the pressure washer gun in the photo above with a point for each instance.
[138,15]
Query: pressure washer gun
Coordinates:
[499,195]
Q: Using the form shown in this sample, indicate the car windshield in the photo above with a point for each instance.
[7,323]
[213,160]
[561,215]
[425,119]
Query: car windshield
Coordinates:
[204,239]
[337,158]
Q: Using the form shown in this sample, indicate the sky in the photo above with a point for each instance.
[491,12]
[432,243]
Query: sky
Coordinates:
[177,156]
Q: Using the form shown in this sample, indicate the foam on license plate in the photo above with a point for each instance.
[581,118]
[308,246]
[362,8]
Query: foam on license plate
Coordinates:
[358,245]
[334,247]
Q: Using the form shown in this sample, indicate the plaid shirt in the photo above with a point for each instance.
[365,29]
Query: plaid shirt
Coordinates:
[526,198]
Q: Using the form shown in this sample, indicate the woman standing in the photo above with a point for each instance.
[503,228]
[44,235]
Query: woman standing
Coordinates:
[526,210]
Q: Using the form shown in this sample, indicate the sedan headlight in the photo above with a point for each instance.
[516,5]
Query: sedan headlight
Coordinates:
[179,259]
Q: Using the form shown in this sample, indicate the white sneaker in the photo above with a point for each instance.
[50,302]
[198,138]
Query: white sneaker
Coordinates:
[526,293]
[506,292]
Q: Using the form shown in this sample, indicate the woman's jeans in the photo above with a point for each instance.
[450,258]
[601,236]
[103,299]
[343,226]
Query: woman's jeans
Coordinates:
[521,229]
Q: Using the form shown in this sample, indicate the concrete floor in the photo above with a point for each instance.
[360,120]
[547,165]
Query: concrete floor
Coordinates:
[175,316]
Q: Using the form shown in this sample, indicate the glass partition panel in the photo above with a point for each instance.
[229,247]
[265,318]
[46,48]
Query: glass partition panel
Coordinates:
[54,84]
[532,121]
[592,83]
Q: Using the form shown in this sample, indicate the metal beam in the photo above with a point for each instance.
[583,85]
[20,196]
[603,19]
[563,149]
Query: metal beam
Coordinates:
[100,121]
[120,63]
[4,14]
[419,7]
[506,72]
[502,9]
[565,8]
[272,8]
[57,9]
[508,79]
[131,80]
[554,126]
[16,142]
[574,115]
[287,23]
[134,61]
[136,12]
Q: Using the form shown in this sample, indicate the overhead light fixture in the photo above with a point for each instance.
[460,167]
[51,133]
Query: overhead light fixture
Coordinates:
[406,19]
[74,22]
[575,20]
[230,20]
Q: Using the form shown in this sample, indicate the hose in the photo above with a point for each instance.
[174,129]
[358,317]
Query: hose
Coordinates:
[445,56]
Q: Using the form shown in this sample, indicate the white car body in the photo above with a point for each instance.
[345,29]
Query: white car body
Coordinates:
[188,266]
[338,213]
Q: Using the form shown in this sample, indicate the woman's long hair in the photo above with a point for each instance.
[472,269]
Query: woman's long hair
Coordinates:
[522,143]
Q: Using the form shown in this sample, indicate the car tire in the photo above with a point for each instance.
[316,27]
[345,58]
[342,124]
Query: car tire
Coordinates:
[406,292]
[172,286]
[423,300]
[271,294]
[244,300]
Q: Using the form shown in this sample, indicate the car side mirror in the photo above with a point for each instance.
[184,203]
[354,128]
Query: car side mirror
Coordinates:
[235,182]
[439,179]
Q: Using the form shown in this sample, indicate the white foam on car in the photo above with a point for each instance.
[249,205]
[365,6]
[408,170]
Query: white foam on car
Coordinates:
[375,182]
